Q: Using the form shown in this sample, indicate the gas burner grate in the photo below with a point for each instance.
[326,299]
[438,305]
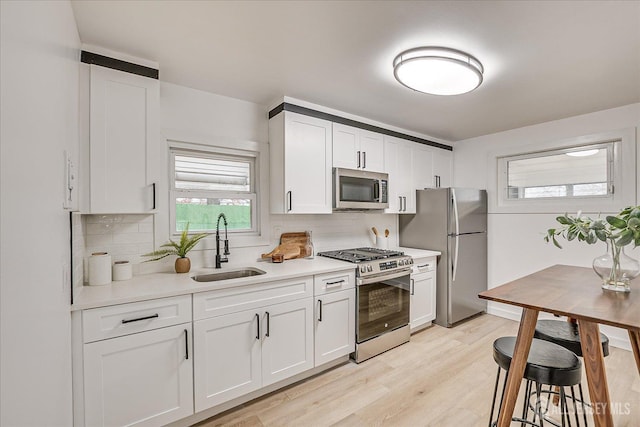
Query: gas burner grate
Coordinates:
[361,254]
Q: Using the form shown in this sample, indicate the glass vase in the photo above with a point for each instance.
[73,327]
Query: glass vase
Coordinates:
[616,269]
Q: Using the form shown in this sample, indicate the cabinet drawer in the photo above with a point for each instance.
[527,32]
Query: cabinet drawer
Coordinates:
[423,265]
[233,300]
[118,320]
[332,282]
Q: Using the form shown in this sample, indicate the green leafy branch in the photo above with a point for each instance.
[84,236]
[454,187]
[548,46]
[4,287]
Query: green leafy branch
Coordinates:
[620,230]
[180,248]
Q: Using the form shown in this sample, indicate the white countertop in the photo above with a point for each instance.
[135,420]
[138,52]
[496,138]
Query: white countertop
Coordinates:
[418,253]
[161,285]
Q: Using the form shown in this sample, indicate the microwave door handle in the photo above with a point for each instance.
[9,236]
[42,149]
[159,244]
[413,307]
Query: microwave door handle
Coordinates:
[376,191]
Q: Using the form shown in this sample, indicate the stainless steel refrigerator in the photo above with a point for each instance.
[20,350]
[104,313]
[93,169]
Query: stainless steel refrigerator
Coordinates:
[454,222]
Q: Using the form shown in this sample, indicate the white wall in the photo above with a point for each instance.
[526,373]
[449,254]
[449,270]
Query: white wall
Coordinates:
[39,85]
[516,246]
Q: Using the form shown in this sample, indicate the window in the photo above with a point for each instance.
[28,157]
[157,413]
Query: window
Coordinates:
[205,184]
[583,171]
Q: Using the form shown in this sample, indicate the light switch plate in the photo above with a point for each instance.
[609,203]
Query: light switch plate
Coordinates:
[70,192]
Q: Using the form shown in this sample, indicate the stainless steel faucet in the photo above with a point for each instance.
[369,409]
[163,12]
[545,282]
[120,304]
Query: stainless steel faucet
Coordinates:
[219,258]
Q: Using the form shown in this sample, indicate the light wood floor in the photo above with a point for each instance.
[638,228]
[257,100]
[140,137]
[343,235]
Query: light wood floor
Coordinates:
[442,377]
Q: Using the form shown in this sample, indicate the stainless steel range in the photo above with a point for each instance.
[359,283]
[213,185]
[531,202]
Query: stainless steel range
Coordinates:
[382,298]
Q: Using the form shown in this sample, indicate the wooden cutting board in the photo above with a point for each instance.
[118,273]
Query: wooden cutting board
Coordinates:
[292,245]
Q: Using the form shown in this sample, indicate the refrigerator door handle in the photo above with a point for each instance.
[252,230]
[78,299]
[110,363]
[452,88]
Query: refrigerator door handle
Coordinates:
[455,211]
[455,260]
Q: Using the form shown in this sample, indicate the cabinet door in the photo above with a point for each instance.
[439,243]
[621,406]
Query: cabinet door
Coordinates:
[422,308]
[141,379]
[442,168]
[346,151]
[123,130]
[394,190]
[335,325]
[227,358]
[372,150]
[307,164]
[422,166]
[399,166]
[287,340]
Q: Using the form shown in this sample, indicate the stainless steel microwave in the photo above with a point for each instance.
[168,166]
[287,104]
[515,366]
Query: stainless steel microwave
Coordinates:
[359,190]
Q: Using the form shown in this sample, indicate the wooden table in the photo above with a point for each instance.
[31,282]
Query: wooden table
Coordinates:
[573,292]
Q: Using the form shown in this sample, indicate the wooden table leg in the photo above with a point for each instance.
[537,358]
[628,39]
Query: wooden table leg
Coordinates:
[596,375]
[634,336]
[518,365]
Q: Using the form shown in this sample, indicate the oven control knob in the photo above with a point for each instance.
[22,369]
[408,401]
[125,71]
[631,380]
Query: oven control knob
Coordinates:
[363,269]
[410,260]
[369,268]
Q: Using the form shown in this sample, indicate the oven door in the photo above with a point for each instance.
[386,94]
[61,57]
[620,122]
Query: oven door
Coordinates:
[382,304]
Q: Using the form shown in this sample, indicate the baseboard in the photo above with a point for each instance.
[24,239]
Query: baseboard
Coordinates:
[618,338]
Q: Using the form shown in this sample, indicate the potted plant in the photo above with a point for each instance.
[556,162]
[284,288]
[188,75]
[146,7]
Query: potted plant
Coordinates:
[614,267]
[183,264]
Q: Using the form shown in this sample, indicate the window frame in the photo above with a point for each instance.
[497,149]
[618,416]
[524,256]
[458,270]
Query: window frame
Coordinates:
[503,170]
[223,145]
[212,154]
[622,169]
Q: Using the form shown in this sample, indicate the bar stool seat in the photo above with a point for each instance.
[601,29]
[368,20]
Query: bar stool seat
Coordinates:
[565,334]
[547,364]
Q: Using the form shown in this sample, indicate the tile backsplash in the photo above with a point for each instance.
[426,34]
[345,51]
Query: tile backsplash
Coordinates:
[125,237]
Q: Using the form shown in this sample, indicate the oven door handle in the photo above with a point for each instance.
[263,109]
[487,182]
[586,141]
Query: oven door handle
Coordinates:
[369,280]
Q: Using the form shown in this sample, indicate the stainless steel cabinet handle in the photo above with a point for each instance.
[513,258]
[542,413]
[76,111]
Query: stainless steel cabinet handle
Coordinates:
[358,158]
[186,344]
[320,311]
[153,316]
[413,286]
[258,327]
[268,322]
[400,208]
[422,266]
[364,160]
[289,206]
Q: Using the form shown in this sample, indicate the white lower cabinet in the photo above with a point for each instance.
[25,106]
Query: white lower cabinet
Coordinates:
[423,293]
[237,353]
[335,321]
[143,379]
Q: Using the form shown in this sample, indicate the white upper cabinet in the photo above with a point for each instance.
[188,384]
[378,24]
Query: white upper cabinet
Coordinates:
[442,168]
[401,190]
[123,132]
[355,148]
[300,157]
[422,166]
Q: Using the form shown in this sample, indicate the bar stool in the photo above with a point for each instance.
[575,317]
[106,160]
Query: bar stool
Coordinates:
[547,364]
[567,335]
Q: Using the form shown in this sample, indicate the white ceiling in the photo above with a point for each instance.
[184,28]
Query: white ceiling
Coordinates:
[543,60]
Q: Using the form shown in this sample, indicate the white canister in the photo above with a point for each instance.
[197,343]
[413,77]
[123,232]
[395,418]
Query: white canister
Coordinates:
[99,268]
[122,270]
[382,242]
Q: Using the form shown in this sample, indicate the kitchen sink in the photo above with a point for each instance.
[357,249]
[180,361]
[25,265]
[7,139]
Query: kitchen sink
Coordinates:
[231,274]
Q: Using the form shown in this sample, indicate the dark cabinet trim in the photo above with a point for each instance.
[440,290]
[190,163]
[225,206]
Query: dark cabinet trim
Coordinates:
[285,106]
[117,64]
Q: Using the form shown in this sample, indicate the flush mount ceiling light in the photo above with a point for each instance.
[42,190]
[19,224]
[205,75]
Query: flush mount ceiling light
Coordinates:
[438,70]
